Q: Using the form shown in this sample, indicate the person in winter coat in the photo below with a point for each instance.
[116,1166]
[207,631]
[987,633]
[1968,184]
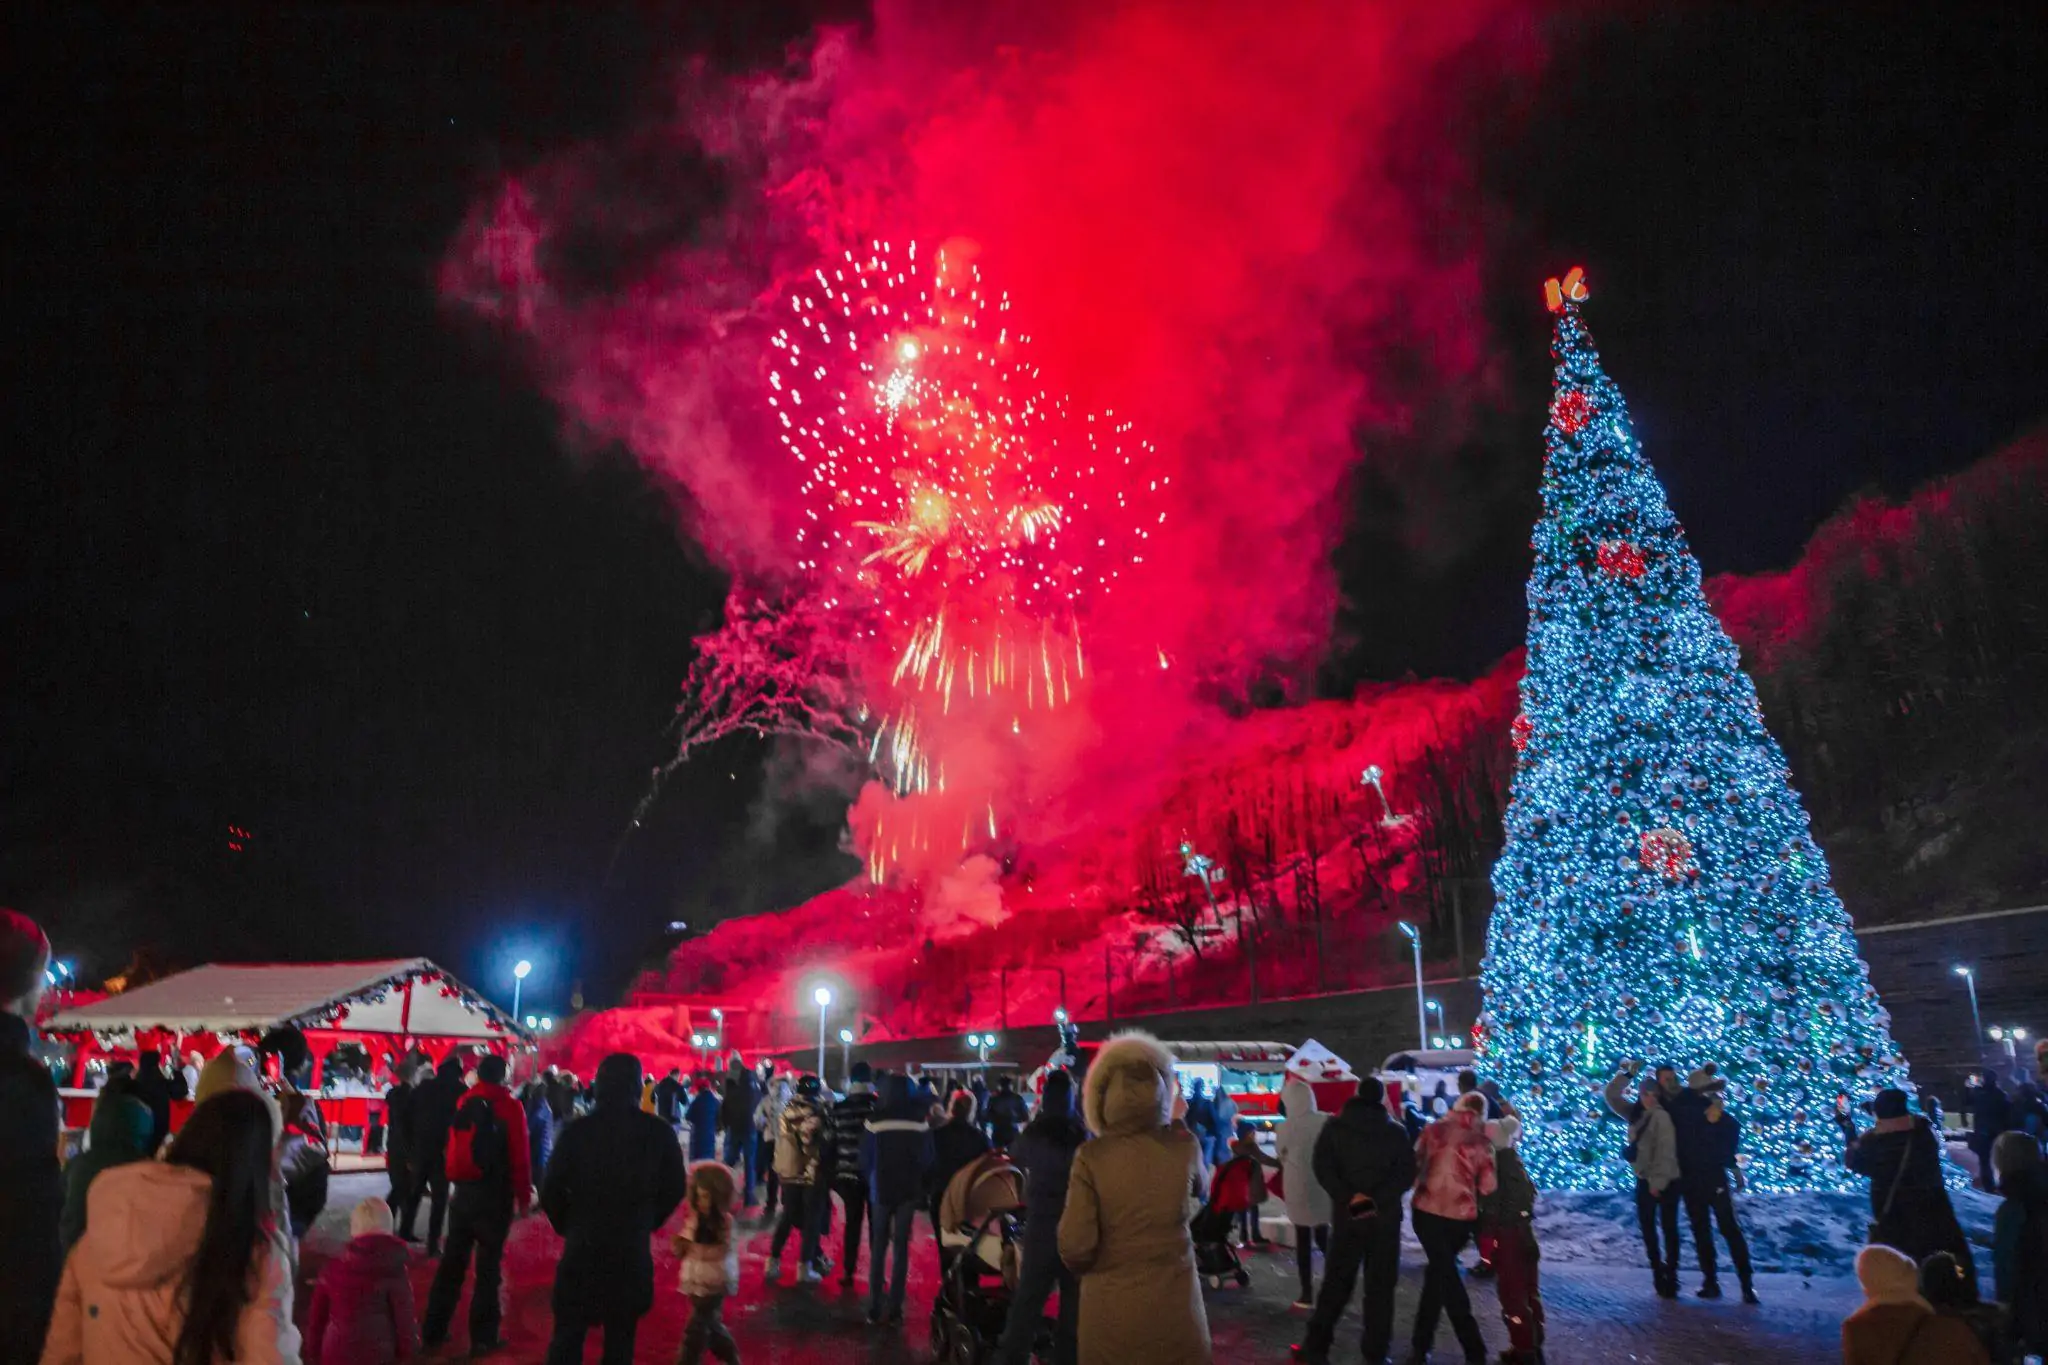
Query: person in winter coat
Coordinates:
[31,1185]
[614,1178]
[156,1089]
[846,1124]
[1200,1117]
[1124,1231]
[1989,1113]
[362,1313]
[398,1146]
[708,1243]
[1045,1152]
[1007,1114]
[955,1144]
[669,1096]
[1245,1147]
[540,1126]
[775,1095]
[2019,1239]
[1364,1162]
[180,1264]
[302,1162]
[1951,1294]
[1653,1154]
[1908,1200]
[1895,1326]
[1454,1170]
[229,1071]
[702,1116]
[1708,1182]
[1508,1216]
[1225,1128]
[119,1134]
[736,1105]
[481,1210]
[799,1164]
[896,1157]
[433,1110]
[1307,1202]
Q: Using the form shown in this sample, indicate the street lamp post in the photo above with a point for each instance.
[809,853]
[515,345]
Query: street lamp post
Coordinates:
[823,995]
[981,1043]
[1437,1007]
[846,1056]
[1203,868]
[1969,976]
[518,980]
[1421,1014]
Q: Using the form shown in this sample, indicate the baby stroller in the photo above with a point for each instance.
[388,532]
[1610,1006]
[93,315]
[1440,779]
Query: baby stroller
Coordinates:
[1230,1194]
[978,1259]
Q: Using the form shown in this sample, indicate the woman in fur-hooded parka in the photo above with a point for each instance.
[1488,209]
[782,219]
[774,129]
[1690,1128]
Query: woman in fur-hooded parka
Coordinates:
[1125,1229]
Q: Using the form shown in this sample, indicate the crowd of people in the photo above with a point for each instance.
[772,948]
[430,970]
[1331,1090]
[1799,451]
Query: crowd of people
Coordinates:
[183,1248]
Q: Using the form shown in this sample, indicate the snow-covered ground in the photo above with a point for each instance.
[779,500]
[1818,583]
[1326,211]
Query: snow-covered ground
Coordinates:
[1812,1234]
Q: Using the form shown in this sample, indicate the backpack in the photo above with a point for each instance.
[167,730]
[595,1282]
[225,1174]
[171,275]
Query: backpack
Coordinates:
[476,1142]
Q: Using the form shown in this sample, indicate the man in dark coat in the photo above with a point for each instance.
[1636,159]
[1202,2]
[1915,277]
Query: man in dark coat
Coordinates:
[670,1094]
[156,1089]
[433,1109]
[615,1177]
[1707,1136]
[1007,1113]
[1989,1115]
[399,1154]
[1364,1159]
[955,1145]
[736,1105]
[31,1186]
[1908,1201]
[896,1156]
[845,1123]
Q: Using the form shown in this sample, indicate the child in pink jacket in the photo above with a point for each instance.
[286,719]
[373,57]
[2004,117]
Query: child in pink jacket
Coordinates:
[1453,1167]
[362,1312]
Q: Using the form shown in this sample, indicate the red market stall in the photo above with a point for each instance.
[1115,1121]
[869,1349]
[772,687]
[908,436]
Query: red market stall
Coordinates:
[387,1008]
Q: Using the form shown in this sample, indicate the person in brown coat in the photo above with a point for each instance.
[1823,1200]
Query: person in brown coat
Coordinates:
[1895,1326]
[1125,1229]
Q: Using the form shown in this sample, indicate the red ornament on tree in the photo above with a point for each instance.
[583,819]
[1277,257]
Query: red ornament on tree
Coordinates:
[1520,732]
[1621,559]
[1570,411]
[1666,851]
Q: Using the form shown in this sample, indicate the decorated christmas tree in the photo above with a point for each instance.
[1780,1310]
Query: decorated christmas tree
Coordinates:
[1659,895]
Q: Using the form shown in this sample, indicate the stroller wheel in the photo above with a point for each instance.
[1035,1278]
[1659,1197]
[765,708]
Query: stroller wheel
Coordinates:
[940,1338]
[966,1346]
[1244,1279]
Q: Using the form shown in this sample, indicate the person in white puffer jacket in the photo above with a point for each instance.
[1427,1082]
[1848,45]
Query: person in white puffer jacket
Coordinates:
[181,1260]
[1308,1203]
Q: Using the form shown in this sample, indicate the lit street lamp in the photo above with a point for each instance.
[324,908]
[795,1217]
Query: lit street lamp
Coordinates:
[2011,1038]
[518,980]
[823,995]
[981,1043]
[547,1025]
[532,1022]
[1969,977]
[846,1056]
[1438,1008]
[1421,1014]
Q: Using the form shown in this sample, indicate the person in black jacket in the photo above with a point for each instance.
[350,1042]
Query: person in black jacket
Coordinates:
[896,1158]
[31,1185]
[1364,1159]
[1908,1200]
[398,1149]
[670,1095]
[614,1178]
[742,1095]
[1989,1113]
[433,1109]
[1007,1113]
[1707,1138]
[844,1123]
[1045,1150]
[955,1144]
[156,1089]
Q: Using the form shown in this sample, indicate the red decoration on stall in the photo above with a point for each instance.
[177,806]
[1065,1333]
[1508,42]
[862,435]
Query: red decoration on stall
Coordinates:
[1621,559]
[1666,851]
[1521,731]
[1571,411]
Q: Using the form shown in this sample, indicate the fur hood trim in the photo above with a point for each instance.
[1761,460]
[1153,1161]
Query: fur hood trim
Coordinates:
[1128,1066]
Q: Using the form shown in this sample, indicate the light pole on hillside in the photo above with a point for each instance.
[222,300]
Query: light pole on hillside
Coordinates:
[1421,1015]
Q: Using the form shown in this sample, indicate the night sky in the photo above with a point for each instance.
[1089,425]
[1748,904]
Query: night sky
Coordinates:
[288,547]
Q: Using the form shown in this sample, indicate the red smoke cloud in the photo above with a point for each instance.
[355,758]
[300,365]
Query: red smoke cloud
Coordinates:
[1223,222]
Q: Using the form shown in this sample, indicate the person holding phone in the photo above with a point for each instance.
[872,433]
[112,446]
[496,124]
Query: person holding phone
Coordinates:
[1365,1162]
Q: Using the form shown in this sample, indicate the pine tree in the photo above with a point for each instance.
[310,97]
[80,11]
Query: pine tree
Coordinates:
[1659,895]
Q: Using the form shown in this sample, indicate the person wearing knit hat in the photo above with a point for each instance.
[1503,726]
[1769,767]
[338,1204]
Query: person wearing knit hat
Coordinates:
[1652,1152]
[1895,1325]
[1707,1139]
[32,1191]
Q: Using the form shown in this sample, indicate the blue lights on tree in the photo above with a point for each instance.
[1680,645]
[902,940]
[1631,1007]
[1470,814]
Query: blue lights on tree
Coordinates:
[1659,895]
